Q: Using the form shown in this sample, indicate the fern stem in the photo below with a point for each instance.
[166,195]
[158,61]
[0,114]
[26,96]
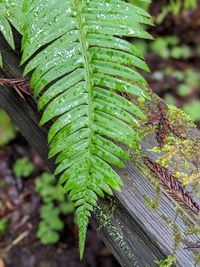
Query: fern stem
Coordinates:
[90,95]
[87,67]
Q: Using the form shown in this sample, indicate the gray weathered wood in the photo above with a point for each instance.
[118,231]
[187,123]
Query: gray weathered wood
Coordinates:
[136,234]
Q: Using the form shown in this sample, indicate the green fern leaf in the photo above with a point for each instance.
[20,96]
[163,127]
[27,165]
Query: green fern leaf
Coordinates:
[10,14]
[80,63]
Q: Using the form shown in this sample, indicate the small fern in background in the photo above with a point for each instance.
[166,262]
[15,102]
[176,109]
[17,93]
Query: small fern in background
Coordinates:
[174,7]
[54,203]
[80,63]
[7,129]
[10,15]
[23,167]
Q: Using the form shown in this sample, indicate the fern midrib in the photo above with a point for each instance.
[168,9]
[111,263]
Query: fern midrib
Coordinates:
[88,78]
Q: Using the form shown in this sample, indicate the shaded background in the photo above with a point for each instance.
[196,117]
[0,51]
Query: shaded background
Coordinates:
[174,59]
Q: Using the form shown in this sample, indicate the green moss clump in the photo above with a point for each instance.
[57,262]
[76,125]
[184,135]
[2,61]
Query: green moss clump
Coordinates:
[179,154]
[168,262]
[179,118]
[152,203]
[196,258]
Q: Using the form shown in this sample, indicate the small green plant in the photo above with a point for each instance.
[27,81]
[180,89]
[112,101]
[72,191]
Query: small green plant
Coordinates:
[23,167]
[193,109]
[192,77]
[170,47]
[50,224]
[7,129]
[160,47]
[54,203]
[180,52]
[170,99]
[184,90]
[166,47]
[188,82]
[3,226]
[174,7]
[177,74]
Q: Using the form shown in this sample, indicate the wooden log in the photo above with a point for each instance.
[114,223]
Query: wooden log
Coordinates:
[136,234]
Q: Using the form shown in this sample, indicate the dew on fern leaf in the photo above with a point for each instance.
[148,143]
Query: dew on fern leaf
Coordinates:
[79,64]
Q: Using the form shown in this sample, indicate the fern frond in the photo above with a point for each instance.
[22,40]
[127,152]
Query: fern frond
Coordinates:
[10,14]
[80,63]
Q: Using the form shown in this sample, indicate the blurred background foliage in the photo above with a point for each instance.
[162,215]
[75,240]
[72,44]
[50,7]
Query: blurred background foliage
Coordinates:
[7,129]
[174,55]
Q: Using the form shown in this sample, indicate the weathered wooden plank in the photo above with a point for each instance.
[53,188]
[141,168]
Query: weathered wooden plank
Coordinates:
[136,234]
[25,117]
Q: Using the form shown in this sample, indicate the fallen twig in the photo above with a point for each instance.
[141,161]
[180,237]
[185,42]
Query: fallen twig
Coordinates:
[164,125]
[174,186]
[20,85]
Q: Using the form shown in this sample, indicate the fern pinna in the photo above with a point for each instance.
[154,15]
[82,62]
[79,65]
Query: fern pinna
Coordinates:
[10,14]
[80,62]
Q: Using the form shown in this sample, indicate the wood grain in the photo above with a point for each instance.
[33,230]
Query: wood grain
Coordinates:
[136,234]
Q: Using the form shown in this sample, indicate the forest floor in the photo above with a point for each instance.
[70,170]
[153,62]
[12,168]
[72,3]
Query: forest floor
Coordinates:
[20,203]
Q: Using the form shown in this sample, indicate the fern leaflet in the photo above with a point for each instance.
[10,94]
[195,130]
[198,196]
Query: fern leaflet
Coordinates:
[10,14]
[80,63]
